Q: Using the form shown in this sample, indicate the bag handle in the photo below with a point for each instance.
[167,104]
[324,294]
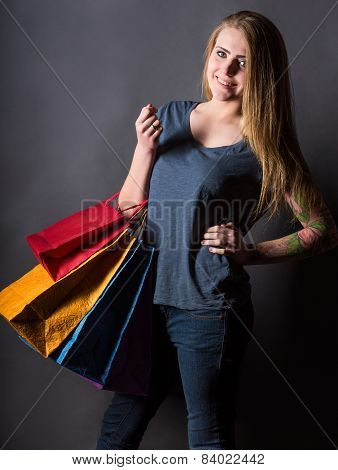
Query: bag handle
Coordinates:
[137,230]
[115,196]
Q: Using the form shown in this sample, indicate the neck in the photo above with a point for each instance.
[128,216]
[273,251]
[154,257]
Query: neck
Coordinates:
[225,110]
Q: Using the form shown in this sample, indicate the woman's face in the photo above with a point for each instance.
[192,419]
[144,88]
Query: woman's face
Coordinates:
[227,62]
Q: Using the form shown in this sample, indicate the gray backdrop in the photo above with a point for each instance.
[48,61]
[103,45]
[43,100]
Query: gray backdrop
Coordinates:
[74,77]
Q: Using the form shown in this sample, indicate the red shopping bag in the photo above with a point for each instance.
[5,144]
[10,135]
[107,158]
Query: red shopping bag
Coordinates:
[66,244]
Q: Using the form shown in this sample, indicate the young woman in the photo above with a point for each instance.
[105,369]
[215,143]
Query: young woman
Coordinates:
[210,170]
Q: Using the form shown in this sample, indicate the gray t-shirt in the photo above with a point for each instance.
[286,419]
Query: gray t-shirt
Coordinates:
[193,187]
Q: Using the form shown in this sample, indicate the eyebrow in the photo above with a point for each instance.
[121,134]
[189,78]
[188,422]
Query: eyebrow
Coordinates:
[243,56]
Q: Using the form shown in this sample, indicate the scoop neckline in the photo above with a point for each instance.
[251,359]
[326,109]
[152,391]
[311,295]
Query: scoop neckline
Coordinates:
[198,144]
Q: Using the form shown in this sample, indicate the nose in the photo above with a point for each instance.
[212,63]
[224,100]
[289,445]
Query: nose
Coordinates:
[231,67]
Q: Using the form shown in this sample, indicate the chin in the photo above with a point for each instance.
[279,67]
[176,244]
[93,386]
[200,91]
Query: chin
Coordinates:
[222,95]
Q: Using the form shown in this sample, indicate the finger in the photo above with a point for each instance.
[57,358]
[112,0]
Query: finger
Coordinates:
[215,242]
[148,127]
[150,120]
[224,234]
[219,243]
[147,112]
[211,235]
[221,251]
[151,129]
[228,225]
[151,106]
[215,228]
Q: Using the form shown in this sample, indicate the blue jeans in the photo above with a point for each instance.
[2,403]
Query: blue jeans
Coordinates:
[208,345]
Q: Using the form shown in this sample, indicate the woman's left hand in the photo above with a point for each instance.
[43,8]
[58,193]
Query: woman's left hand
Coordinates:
[226,239]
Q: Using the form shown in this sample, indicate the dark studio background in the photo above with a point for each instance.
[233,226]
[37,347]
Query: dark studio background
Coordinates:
[114,57]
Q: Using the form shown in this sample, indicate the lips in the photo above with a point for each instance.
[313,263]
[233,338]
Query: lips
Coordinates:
[226,82]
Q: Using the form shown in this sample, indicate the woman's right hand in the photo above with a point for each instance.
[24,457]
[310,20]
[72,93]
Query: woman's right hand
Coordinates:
[147,136]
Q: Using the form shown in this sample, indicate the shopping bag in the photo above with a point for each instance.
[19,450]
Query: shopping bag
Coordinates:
[130,371]
[111,346]
[66,244]
[44,312]
[116,354]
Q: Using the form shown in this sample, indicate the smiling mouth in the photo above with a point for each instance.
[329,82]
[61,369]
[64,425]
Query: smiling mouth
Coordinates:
[225,82]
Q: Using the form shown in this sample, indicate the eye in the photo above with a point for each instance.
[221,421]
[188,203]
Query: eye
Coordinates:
[242,63]
[220,52]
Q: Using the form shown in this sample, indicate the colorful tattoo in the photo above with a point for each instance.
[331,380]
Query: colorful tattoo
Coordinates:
[309,238]
[302,212]
[319,234]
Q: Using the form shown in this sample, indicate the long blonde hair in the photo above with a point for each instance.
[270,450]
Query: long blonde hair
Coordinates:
[268,116]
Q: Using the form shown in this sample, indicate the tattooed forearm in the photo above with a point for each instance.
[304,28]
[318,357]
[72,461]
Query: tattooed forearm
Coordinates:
[297,245]
[318,235]
[310,239]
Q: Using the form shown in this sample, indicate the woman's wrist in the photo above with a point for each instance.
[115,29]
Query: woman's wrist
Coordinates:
[251,253]
[144,152]
[248,254]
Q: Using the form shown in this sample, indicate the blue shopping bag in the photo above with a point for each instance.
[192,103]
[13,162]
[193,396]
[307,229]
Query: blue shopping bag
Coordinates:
[111,345]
